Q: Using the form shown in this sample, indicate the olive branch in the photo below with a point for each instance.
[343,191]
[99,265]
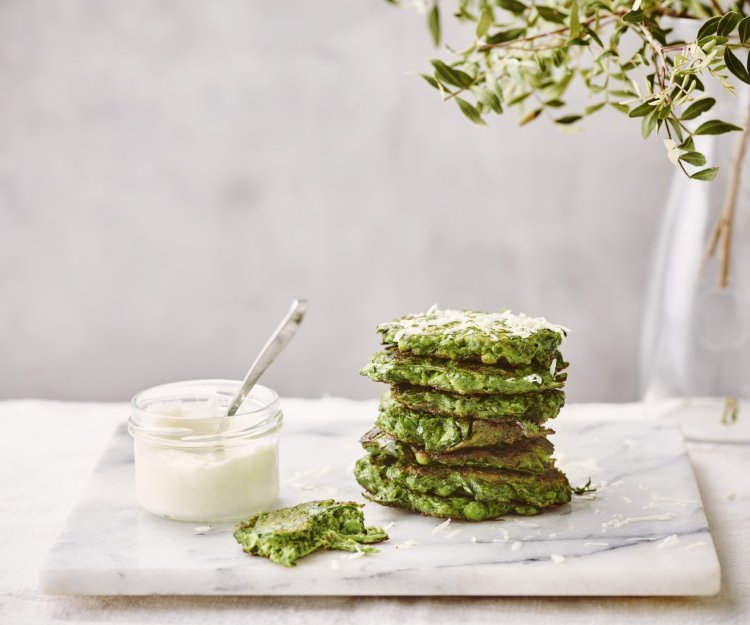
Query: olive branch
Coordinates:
[527,55]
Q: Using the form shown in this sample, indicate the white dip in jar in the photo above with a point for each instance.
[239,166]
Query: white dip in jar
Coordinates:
[194,464]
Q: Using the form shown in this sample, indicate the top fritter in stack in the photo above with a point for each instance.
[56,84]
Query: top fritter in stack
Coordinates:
[461,432]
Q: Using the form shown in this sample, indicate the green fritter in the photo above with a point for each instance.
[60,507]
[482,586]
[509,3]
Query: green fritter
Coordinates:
[464,378]
[388,493]
[539,490]
[287,534]
[465,335]
[442,433]
[531,455]
[532,407]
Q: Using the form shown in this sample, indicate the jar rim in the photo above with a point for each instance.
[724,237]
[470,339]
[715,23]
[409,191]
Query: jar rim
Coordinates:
[251,422]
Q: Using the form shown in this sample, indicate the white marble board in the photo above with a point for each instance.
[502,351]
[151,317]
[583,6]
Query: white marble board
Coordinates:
[643,532]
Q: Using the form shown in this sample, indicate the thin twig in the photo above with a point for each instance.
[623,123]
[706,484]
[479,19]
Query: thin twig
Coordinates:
[658,52]
[717,6]
[722,232]
[559,31]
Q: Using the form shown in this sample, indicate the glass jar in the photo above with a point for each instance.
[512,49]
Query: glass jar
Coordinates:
[696,326]
[192,463]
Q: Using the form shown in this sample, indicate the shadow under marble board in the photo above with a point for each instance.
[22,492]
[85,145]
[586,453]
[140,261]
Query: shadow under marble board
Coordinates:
[642,532]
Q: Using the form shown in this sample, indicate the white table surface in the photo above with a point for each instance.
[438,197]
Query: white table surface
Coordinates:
[48,450]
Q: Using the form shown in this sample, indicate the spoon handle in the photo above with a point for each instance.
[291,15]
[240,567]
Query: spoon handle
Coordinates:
[278,341]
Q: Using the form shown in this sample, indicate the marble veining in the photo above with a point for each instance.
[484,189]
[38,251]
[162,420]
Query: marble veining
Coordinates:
[642,532]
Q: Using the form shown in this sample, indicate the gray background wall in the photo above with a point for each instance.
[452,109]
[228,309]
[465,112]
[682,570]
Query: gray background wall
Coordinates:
[173,173]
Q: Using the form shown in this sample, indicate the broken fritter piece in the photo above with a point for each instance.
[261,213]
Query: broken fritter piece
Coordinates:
[288,534]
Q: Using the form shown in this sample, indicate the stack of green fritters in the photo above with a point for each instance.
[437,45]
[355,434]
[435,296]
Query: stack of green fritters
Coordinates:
[461,433]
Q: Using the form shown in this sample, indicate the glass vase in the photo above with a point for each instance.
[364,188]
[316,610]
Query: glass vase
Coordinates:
[695,343]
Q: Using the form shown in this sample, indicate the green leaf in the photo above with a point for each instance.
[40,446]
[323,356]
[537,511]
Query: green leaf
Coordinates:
[623,93]
[471,112]
[736,66]
[514,6]
[716,127]
[697,108]
[744,29]
[707,174]
[575,21]
[519,98]
[592,33]
[450,75]
[504,36]
[566,120]
[486,20]
[633,17]
[692,79]
[688,144]
[559,88]
[433,23]
[555,104]
[642,110]
[431,81]
[694,158]
[674,122]
[551,15]
[529,117]
[710,42]
[727,23]
[489,98]
[623,108]
[590,110]
[648,124]
[709,27]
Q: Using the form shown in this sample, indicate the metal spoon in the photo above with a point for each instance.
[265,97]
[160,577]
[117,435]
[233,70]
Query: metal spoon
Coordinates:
[278,341]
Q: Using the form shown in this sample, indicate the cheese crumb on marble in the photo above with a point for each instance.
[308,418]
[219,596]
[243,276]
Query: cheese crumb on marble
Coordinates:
[617,521]
[656,497]
[696,545]
[202,529]
[441,527]
[406,544]
[557,558]
[669,542]
[516,546]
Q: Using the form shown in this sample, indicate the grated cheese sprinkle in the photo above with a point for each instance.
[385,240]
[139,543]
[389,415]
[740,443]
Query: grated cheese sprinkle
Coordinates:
[490,324]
